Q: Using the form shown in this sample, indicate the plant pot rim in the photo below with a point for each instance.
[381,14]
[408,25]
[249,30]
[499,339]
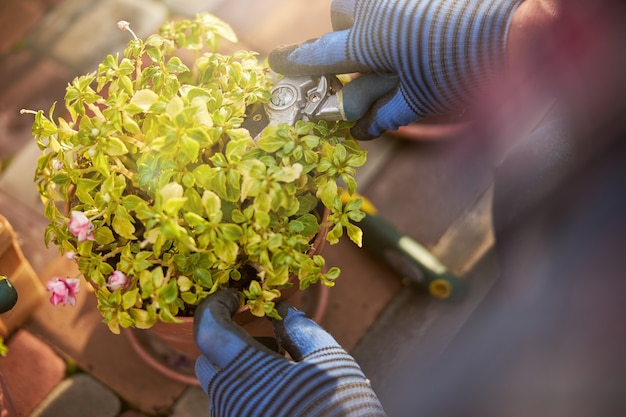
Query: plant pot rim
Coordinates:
[138,341]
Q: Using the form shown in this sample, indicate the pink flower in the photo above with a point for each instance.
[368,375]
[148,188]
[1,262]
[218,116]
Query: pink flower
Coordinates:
[80,226]
[117,280]
[63,290]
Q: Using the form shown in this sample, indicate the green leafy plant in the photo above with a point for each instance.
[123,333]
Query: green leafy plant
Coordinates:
[151,184]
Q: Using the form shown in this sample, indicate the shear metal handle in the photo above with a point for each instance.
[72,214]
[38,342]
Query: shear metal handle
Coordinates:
[310,98]
[314,98]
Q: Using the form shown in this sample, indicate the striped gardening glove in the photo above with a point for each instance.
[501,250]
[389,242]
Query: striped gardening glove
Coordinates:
[244,378]
[437,52]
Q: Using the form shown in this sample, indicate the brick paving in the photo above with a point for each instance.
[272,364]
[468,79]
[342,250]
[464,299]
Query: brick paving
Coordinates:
[45,43]
[77,396]
[32,370]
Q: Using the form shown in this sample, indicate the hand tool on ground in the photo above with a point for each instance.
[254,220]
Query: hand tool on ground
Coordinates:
[410,260]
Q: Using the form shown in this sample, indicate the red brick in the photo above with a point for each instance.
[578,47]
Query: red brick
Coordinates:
[17,17]
[31,369]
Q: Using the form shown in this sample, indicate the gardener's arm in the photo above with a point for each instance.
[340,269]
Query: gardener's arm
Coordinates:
[244,378]
[442,52]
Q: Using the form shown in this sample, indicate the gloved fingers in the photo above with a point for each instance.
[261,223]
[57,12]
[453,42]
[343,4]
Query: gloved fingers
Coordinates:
[299,335]
[359,94]
[388,113]
[218,338]
[205,371]
[342,14]
[324,55]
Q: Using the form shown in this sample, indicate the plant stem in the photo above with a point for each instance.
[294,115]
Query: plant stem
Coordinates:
[111,254]
[121,168]
[97,112]
[138,143]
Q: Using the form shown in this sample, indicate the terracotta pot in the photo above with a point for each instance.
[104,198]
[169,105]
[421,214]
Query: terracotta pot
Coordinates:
[170,348]
[16,267]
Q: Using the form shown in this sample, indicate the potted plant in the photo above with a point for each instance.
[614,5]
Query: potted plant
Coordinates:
[151,184]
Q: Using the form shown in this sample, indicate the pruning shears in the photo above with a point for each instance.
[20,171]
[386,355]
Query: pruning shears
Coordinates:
[314,98]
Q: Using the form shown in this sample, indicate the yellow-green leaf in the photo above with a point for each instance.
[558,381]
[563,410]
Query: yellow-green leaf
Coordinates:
[143,319]
[103,235]
[289,174]
[114,146]
[130,299]
[211,202]
[169,292]
[124,228]
[355,233]
[144,99]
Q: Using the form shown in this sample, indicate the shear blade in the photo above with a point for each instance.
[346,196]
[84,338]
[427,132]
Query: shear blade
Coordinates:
[256,119]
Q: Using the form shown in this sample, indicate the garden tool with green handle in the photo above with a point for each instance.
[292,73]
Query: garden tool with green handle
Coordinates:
[8,295]
[406,257]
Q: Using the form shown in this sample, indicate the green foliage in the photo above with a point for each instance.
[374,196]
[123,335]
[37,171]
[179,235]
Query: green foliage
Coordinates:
[181,199]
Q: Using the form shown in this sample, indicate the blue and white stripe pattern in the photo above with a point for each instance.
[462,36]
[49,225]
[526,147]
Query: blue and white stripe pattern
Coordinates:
[328,382]
[442,50]
[244,378]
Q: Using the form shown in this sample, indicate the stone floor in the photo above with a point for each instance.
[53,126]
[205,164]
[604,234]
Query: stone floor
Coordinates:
[65,362]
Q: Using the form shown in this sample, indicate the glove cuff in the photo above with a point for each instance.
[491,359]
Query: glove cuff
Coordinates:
[328,382]
[468,39]
[444,50]
[480,54]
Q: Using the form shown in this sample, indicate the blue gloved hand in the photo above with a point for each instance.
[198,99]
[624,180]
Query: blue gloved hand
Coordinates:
[440,50]
[244,378]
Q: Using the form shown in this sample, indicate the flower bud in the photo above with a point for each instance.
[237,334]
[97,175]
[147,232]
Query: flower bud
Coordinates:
[117,280]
